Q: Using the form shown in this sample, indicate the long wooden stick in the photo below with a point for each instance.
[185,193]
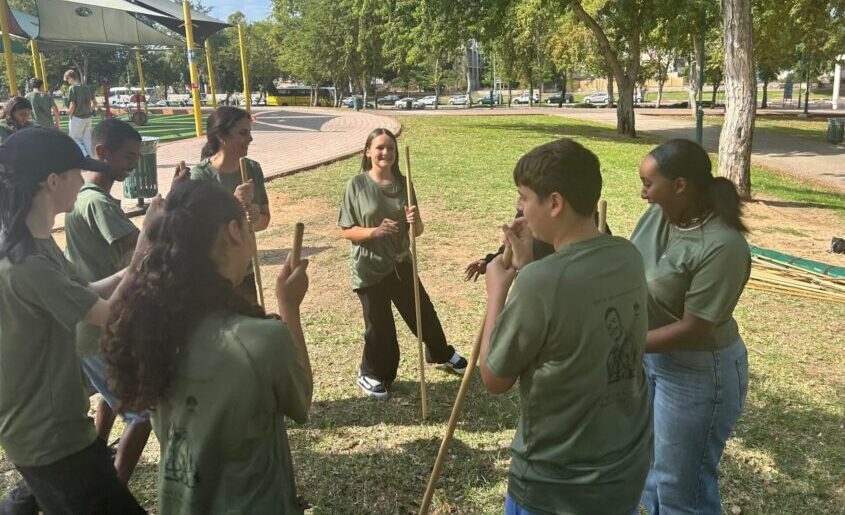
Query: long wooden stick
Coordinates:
[256,266]
[412,232]
[296,250]
[453,422]
[602,216]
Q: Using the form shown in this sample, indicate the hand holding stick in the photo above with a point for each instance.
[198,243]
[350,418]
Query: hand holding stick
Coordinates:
[256,266]
[413,235]
[296,251]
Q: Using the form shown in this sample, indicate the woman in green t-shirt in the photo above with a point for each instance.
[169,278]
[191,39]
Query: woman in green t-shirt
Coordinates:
[697,263]
[375,217]
[16,115]
[228,137]
[218,375]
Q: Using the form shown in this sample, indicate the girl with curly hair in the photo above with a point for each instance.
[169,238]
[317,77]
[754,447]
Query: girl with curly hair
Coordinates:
[218,374]
[16,115]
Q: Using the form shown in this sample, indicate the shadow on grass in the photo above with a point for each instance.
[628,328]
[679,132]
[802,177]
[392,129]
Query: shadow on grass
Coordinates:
[799,204]
[482,411]
[393,480]
[278,256]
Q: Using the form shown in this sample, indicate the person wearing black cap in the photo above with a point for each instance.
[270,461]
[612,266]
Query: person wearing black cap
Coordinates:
[45,429]
[100,242]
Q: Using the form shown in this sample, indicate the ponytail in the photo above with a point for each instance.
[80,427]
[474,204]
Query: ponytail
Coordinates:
[725,202]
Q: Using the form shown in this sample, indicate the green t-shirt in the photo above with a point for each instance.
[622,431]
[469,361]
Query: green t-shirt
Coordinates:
[230,181]
[82,96]
[702,271]
[224,445]
[42,107]
[7,130]
[366,204]
[93,227]
[43,403]
[573,329]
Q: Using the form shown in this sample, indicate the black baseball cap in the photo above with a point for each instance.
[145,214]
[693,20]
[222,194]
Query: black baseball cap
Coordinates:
[36,152]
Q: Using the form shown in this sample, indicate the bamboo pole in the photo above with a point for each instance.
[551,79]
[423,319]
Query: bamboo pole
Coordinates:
[210,74]
[141,81]
[192,68]
[412,233]
[603,216]
[43,72]
[7,48]
[256,266]
[453,422]
[244,69]
[33,47]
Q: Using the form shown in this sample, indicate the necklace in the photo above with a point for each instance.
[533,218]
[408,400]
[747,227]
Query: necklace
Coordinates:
[695,222]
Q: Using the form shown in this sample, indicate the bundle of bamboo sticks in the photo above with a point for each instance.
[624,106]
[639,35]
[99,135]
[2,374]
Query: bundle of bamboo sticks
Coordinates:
[782,278]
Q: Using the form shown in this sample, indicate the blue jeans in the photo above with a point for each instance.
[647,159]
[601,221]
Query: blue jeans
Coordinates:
[698,398]
[513,508]
[96,369]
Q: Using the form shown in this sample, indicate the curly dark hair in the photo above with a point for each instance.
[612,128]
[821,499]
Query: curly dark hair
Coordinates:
[14,104]
[176,285]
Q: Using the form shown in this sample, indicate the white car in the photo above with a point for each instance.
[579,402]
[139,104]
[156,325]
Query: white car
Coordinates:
[428,101]
[524,99]
[599,97]
[402,103]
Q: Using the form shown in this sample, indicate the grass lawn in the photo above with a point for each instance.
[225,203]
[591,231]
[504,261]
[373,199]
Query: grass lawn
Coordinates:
[359,456]
[167,127]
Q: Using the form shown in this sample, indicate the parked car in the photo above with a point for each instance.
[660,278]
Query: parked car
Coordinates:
[599,97]
[554,98]
[524,99]
[485,100]
[388,100]
[408,103]
[350,101]
[458,100]
[428,100]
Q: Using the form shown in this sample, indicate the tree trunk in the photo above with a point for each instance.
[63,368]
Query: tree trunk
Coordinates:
[740,95]
[660,85]
[807,93]
[510,92]
[695,73]
[625,109]
[530,93]
[563,81]
[609,91]
[765,103]
[713,96]
[436,83]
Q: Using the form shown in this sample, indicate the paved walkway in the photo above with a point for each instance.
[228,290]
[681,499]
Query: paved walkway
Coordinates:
[286,141]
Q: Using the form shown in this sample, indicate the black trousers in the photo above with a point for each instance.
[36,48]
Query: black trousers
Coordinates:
[380,358]
[84,483]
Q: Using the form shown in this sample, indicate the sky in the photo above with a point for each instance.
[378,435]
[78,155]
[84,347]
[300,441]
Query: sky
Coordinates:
[253,9]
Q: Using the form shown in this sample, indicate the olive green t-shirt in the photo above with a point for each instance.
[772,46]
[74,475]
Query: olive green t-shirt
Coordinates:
[702,271]
[43,403]
[573,330]
[82,95]
[224,444]
[42,107]
[92,229]
[7,130]
[366,204]
[230,181]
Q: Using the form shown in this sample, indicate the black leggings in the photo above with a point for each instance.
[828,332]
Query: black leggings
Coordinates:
[380,358]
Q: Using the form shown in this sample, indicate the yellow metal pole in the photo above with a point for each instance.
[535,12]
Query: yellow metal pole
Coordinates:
[244,69]
[141,76]
[7,48]
[43,70]
[192,66]
[210,74]
[33,46]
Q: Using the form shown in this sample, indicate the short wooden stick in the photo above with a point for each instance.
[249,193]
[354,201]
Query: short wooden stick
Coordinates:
[296,251]
[256,266]
[453,422]
[412,233]
[602,216]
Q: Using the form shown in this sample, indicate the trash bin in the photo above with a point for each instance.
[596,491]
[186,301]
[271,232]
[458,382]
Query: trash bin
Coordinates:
[409,104]
[835,130]
[142,182]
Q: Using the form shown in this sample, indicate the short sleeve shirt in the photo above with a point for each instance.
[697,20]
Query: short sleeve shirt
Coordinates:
[230,181]
[82,96]
[42,107]
[702,271]
[573,330]
[224,445]
[43,403]
[93,227]
[366,204]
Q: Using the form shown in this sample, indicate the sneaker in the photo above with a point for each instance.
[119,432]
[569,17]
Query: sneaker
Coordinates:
[456,364]
[372,387]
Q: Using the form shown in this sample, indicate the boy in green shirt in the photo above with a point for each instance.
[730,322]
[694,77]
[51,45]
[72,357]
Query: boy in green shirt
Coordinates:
[44,108]
[573,332]
[81,105]
[100,240]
